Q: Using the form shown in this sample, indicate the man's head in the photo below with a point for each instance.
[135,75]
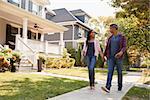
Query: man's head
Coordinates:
[113,28]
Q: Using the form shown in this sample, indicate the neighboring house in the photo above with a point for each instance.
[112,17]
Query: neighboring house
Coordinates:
[77,23]
[23,25]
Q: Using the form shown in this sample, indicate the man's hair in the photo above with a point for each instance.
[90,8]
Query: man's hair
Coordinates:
[114,26]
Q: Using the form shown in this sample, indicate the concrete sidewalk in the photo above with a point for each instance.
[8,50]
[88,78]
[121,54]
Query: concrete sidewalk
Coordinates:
[86,94]
[97,94]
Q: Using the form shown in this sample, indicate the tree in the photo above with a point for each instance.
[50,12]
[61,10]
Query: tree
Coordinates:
[138,8]
[133,20]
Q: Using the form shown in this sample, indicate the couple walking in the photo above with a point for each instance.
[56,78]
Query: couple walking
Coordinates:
[115,48]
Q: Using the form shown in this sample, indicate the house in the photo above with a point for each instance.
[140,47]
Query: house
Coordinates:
[77,23]
[23,25]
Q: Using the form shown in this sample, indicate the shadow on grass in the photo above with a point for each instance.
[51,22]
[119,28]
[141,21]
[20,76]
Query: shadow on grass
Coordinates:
[28,89]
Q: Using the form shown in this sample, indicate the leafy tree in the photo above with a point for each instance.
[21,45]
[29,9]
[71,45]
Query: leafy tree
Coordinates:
[133,19]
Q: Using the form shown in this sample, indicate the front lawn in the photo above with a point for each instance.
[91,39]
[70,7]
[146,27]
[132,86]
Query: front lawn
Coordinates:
[100,74]
[137,93]
[17,86]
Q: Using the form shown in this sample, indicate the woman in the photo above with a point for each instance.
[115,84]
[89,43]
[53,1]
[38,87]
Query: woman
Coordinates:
[91,50]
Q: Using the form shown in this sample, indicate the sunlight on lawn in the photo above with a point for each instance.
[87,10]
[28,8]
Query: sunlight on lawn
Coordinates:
[81,72]
[17,86]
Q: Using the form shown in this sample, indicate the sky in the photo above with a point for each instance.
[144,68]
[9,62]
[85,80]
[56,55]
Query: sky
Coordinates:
[93,7]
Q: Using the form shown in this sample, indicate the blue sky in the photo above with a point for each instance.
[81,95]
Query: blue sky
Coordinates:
[92,7]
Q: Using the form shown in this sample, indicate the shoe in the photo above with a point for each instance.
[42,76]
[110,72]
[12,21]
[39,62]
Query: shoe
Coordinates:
[92,87]
[105,89]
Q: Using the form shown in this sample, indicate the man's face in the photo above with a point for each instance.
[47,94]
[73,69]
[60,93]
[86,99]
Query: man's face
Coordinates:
[112,30]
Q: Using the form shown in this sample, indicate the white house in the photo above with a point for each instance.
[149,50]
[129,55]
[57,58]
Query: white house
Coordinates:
[23,25]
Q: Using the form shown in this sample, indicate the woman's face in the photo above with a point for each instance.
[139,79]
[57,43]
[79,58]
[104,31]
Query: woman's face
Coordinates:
[92,34]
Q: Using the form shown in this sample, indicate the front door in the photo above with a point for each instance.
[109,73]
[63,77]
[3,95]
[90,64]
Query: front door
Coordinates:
[11,36]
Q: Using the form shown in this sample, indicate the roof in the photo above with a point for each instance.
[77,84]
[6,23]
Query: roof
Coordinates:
[78,11]
[62,15]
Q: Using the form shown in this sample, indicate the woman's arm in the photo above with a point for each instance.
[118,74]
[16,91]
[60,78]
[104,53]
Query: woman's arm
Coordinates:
[100,51]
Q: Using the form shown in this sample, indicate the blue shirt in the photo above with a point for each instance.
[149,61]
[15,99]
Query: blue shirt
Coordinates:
[114,45]
[90,49]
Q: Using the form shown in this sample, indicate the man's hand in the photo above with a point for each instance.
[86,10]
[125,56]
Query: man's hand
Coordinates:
[118,55]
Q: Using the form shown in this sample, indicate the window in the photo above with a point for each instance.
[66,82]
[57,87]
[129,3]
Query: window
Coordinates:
[81,32]
[86,19]
[23,4]
[35,8]
[16,1]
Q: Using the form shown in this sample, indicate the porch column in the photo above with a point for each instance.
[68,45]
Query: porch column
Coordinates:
[17,43]
[37,36]
[46,47]
[73,43]
[61,43]
[43,13]
[42,37]
[25,29]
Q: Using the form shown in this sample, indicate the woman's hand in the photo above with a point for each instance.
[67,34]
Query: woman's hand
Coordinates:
[118,55]
[84,53]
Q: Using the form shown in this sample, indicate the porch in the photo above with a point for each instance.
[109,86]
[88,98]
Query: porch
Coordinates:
[24,31]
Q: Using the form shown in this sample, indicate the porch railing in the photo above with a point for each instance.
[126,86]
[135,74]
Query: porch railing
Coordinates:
[1,47]
[44,47]
[28,52]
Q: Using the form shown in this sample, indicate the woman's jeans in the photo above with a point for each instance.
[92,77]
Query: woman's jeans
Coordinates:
[112,62]
[91,61]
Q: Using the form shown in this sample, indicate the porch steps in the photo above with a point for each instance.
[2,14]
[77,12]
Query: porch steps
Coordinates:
[25,65]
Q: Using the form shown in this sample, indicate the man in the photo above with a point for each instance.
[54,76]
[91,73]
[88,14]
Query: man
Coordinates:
[115,49]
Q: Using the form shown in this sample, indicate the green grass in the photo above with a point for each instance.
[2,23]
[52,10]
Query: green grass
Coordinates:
[137,93]
[35,87]
[82,72]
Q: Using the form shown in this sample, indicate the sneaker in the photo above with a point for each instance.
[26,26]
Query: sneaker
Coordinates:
[92,88]
[105,89]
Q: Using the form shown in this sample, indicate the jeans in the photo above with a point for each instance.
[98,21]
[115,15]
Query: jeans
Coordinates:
[91,61]
[112,62]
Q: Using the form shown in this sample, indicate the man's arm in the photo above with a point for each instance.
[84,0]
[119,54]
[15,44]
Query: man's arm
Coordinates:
[123,49]
[124,44]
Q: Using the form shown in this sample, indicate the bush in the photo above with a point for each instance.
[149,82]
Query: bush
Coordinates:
[60,63]
[65,53]
[78,58]
[16,54]
[8,58]
[72,51]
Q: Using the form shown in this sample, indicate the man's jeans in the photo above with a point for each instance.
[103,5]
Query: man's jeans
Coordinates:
[112,62]
[91,61]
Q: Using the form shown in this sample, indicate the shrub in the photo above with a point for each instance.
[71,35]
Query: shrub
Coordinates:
[60,63]
[16,54]
[65,53]
[42,57]
[72,51]
[78,58]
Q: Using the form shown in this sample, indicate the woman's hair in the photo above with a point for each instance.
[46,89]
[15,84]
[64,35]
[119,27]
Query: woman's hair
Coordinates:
[88,37]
